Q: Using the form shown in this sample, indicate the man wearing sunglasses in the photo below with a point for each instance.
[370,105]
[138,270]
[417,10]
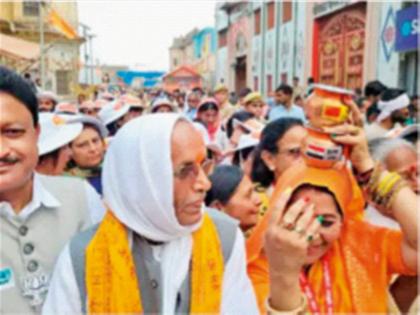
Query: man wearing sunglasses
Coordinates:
[158,249]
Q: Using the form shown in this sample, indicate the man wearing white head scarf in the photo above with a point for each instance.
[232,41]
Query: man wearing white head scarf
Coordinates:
[393,107]
[158,250]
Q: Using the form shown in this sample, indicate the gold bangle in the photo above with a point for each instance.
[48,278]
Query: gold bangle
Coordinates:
[370,187]
[391,183]
[383,181]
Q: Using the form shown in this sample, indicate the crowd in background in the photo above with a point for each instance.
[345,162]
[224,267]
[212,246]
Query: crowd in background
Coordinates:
[251,142]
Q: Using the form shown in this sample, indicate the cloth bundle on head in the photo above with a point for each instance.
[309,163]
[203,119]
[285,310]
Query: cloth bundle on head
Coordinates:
[138,188]
[387,107]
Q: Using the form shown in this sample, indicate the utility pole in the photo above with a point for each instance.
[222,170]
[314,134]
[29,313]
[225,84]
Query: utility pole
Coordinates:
[41,43]
[88,41]
[92,62]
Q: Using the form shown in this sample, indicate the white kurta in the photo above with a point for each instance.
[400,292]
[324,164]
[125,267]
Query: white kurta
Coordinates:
[237,297]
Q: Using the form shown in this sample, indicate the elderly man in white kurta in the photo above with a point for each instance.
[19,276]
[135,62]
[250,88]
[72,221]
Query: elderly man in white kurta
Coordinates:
[158,250]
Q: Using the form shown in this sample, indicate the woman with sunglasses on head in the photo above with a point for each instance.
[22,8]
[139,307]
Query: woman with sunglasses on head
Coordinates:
[313,252]
[279,148]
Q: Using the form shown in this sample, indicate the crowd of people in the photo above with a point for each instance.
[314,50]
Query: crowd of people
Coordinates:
[200,202]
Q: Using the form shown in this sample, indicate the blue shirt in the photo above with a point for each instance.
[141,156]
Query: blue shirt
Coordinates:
[190,113]
[280,111]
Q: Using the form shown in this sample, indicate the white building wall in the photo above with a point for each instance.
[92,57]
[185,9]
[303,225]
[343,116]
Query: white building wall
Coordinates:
[269,56]
[285,50]
[300,42]
[387,65]
[256,61]
[221,65]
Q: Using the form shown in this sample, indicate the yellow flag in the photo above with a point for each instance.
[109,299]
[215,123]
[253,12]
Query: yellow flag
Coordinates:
[61,25]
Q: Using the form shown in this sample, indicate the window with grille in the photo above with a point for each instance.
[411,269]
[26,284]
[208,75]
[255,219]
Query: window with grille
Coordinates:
[222,38]
[287,11]
[63,82]
[31,8]
[257,22]
[271,19]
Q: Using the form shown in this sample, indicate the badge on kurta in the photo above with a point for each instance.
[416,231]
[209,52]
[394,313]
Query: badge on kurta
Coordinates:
[7,279]
[35,287]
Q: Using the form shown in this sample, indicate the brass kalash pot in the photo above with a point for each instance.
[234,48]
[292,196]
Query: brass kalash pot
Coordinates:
[325,107]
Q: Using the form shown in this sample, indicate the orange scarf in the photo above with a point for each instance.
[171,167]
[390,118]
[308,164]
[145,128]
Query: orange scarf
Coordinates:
[111,280]
[361,263]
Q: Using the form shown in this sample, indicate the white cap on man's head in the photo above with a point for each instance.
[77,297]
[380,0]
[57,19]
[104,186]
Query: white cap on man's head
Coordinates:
[113,111]
[387,107]
[56,132]
[66,108]
[162,101]
[47,94]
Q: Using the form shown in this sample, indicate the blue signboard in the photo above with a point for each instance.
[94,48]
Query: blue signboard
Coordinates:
[407,29]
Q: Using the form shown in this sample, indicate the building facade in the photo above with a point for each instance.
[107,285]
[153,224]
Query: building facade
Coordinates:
[21,20]
[341,43]
[234,30]
[196,50]
[181,51]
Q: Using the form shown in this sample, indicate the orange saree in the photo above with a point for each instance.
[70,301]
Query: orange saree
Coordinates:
[362,261]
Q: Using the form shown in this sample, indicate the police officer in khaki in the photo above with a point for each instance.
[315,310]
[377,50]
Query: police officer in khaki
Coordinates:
[38,214]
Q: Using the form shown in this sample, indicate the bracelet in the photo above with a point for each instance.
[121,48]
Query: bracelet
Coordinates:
[383,187]
[373,181]
[363,178]
[301,309]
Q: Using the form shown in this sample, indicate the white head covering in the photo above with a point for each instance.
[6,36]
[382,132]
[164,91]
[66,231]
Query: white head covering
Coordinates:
[387,107]
[138,188]
[56,131]
[47,94]
[85,119]
[162,101]
[246,141]
[113,111]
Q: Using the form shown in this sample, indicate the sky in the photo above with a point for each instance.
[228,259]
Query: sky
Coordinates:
[139,33]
